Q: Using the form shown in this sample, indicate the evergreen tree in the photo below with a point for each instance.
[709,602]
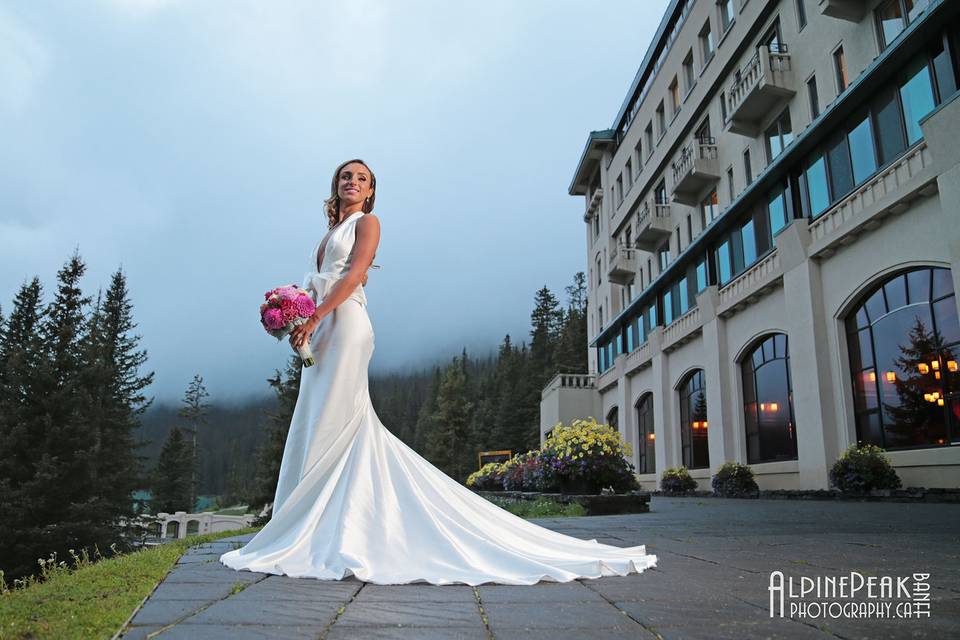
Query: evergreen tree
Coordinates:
[171,479]
[426,419]
[21,405]
[571,347]
[545,320]
[449,446]
[194,414]
[286,387]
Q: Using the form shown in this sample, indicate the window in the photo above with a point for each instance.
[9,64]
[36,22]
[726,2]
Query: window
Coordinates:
[840,65]
[731,189]
[674,91]
[706,43]
[916,95]
[598,276]
[862,156]
[777,216]
[689,229]
[778,135]
[600,315]
[723,262]
[668,311]
[619,189]
[814,97]
[893,17]
[740,248]
[903,340]
[747,169]
[628,172]
[648,136]
[596,224]
[661,121]
[768,402]
[647,456]
[726,14]
[701,275]
[663,257]
[693,421]
[709,209]
[660,192]
[677,232]
[815,176]
[801,15]
[613,418]
[723,107]
[689,78]
[891,139]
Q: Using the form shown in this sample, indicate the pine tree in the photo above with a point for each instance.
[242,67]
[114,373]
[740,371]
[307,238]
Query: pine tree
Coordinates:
[171,479]
[545,321]
[448,445]
[286,386]
[426,420]
[571,347]
[194,414]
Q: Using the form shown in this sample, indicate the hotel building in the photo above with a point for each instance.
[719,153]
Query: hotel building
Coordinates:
[773,243]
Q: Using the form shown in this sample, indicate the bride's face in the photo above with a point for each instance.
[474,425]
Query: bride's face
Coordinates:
[353,187]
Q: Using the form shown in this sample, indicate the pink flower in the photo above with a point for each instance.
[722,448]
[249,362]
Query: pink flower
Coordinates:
[288,293]
[273,319]
[305,306]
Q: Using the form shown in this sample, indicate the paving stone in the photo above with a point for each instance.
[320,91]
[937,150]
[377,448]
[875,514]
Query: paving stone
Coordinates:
[139,633]
[253,612]
[165,611]
[211,572]
[419,614]
[188,631]
[416,593]
[559,615]
[287,588]
[542,592]
[200,591]
[633,632]
[406,633]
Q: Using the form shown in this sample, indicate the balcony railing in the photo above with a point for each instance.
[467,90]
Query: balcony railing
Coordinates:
[569,381]
[695,170]
[653,224]
[623,264]
[758,87]
[886,193]
[852,10]
[593,205]
[682,330]
[750,285]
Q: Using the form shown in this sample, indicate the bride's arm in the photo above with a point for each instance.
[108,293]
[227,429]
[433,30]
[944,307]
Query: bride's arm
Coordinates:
[364,247]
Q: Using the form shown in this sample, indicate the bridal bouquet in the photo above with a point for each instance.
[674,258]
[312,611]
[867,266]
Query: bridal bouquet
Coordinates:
[285,308]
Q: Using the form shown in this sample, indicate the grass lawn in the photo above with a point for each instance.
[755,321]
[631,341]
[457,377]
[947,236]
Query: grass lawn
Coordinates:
[93,599]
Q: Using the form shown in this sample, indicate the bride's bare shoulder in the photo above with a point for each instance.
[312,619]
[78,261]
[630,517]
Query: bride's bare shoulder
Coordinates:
[368,222]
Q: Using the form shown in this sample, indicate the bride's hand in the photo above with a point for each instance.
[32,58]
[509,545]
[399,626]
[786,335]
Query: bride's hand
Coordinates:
[302,332]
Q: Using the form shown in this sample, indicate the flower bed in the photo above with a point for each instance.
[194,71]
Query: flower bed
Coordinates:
[583,458]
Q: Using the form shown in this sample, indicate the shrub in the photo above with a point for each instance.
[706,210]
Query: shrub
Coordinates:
[863,468]
[677,480]
[586,457]
[488,478]
[735,480]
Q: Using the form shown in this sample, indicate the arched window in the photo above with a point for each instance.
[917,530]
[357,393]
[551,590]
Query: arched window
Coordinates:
[904,340]
[768,402]
[613,418]
[648,463]
[693,421]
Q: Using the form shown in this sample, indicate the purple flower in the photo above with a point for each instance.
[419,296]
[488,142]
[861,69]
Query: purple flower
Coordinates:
[273,319]
[305,306]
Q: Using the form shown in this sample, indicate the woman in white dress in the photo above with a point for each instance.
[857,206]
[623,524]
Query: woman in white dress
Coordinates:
[352,498]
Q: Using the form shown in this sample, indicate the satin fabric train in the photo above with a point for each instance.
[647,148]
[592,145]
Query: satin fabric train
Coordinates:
[353,499]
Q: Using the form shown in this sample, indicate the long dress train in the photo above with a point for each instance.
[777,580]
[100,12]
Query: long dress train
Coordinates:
[353,499]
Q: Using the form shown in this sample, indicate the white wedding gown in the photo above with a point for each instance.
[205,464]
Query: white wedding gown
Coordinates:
[353,499]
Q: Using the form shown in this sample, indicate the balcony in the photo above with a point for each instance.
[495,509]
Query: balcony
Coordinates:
[766,80]
[696,169]
[653,225]
[623,264]
[682,330]
[593,206]
[852,10]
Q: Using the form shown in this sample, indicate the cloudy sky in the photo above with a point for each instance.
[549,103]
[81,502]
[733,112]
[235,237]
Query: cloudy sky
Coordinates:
[192,143]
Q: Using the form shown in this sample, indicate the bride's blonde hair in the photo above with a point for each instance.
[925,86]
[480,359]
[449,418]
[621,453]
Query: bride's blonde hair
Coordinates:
[332,204]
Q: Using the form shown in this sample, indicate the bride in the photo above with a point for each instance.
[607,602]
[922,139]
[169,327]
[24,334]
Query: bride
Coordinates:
[352,498]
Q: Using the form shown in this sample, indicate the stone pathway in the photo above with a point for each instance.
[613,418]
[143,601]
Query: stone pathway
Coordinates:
[714,555]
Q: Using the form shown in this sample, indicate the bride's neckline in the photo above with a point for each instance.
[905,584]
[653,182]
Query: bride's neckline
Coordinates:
[323,245]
